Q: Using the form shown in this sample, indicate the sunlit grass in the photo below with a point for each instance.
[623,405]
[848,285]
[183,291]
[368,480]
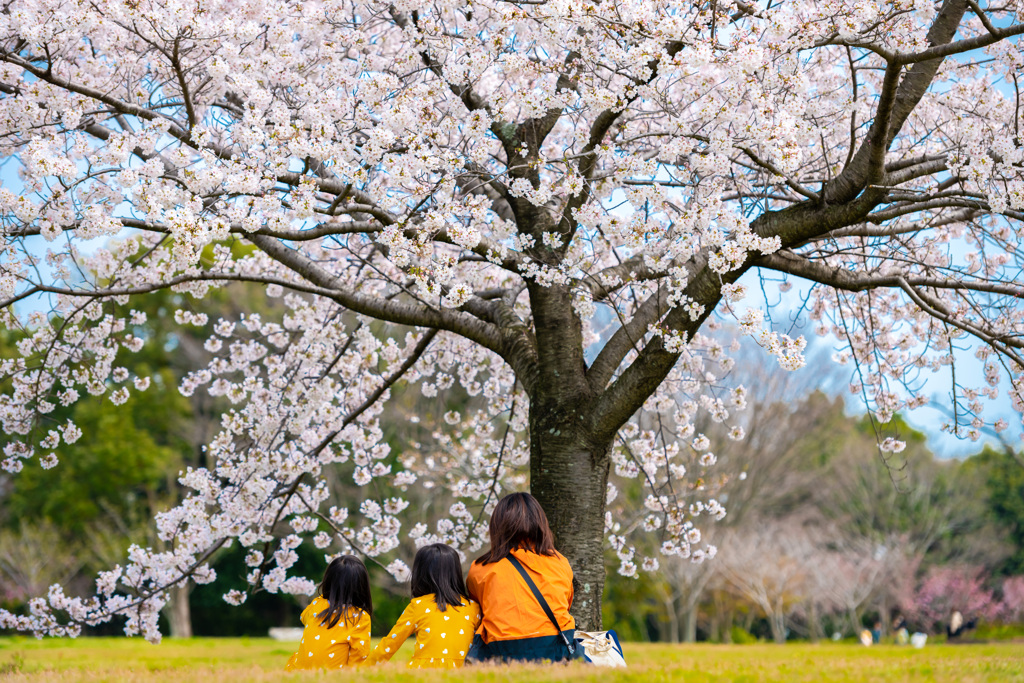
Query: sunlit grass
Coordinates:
[212,660]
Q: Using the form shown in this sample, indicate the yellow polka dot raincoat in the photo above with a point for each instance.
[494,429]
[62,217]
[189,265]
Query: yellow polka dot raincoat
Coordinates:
[442,638]
[347,644]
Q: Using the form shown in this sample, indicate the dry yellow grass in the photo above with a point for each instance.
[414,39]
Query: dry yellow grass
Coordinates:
[209,660]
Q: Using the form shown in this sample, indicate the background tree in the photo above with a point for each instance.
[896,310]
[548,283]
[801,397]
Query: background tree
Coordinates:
[770,567]
[492,176]
[33,558]
[946,589]
[1003,470]
[871,546]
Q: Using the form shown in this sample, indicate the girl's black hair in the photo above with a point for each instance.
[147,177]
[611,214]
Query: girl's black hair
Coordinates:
[346,587]
[437,569]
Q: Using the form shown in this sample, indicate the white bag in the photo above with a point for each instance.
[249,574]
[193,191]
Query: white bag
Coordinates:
[601,648]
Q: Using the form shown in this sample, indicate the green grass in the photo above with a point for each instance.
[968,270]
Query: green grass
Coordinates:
[211,660]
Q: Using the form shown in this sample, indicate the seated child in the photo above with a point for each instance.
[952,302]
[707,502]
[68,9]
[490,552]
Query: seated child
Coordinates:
[337,622]
[441,613]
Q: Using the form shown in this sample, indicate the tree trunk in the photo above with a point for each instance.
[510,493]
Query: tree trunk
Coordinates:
[748,620]
[569,477]
[715,627]
[883,616]
[690,634]
[673,620]
[777,621]
[727,619]
[855,621]
[814,624]
[179,615]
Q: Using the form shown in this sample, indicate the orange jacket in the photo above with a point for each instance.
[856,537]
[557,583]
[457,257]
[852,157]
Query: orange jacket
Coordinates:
[510,610]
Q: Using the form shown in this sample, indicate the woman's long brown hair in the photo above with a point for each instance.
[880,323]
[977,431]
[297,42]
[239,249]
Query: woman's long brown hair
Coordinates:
[518,521]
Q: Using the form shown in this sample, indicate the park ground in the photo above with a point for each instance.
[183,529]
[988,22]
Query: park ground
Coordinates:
[254,659]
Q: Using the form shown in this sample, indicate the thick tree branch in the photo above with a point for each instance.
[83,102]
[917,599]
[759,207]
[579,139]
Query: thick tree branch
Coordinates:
[786,261]
[839,278]
[399,312]
[895,106]
[626,338]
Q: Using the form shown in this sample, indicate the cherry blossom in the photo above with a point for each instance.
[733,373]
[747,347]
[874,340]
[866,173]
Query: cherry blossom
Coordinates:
[549,206]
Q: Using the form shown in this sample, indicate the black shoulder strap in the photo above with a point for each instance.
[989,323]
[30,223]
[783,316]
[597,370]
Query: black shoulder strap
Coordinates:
[543,603]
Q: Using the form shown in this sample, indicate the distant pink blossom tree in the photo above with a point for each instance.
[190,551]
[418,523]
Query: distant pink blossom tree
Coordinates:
[945,589]
[1011,608]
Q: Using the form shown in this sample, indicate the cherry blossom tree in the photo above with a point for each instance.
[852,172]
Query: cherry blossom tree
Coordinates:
[770,566]
[945,589]
[683,590]
[552,203]
[1011,607]
[855,570]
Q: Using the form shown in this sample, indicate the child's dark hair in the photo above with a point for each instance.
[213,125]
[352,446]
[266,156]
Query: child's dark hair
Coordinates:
[346,587]
[437,569]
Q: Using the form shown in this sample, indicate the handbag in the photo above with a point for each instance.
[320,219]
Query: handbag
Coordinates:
[601,648]
[596,647]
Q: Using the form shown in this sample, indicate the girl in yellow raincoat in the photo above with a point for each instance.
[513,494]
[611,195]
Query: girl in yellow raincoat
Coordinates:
[337,622]
[441,614]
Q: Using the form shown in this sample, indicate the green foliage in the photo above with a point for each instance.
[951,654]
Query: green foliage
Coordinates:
[741,637]
[388,605]
[825,441]
[933,504]
[632,606]
[121,464]
[1003,474]
[211,616]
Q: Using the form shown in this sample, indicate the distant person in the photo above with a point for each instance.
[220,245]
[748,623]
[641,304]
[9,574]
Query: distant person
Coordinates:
[899,629]
[515,625]
[441,614]
[337,622]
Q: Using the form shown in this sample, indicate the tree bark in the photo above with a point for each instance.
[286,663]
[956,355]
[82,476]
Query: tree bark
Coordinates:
[179,614]
[569,477]
[673,620]
[855,621]
[777,621]
[727,620]
[883,616]
[715,625]
[748,620]
[690,633]
[816,632]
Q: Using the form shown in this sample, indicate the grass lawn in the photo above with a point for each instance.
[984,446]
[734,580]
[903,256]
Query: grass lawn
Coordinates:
[243,659]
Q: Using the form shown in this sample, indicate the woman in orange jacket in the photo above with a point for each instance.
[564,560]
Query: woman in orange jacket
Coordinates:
[515,626]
